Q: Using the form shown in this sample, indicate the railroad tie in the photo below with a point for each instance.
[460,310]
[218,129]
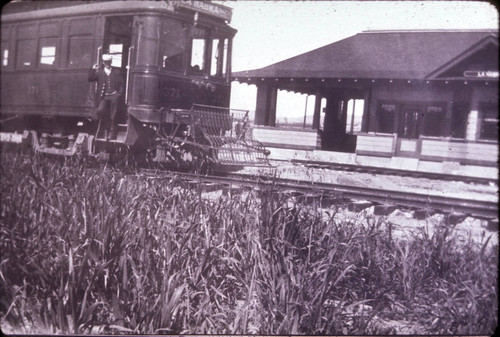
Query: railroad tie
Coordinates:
[455,218]
[358,206]
[384,209]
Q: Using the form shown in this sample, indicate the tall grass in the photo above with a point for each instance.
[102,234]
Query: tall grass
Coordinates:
[103,252]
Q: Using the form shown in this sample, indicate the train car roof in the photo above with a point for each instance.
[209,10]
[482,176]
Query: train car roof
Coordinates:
[32,10]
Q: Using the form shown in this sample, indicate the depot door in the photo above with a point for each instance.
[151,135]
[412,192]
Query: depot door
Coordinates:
[409,124]
[409,121]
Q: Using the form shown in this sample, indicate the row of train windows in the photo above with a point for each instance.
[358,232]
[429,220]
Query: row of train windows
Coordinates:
[199,63]
[197,50]
[413,120]
[79,56]
[207,52]
[219,55]
[28,57]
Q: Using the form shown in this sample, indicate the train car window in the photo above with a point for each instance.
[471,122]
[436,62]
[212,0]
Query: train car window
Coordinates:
[5,32]
[197,56]
[80,49]
[5,57]
[49,29]
[198,49]
[488,113]
[27,31]
[386,118]
[26,54]
[83,26]
[116,52]
[81,43]
[219,55]
[48,50]
[224,60]
[214,69]
[434,117]
[174,41]
[48,55]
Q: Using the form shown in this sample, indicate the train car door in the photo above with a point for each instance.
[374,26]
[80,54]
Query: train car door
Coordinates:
[117,41]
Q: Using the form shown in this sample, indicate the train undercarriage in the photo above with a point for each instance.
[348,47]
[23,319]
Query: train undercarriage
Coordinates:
[201,137]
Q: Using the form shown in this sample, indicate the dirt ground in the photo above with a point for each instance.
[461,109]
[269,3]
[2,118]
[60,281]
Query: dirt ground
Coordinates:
[403,222]
[456,189]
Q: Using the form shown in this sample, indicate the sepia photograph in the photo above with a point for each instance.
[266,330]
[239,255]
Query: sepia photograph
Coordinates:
[249,167]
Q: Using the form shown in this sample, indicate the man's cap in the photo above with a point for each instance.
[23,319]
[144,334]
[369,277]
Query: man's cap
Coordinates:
[106,57]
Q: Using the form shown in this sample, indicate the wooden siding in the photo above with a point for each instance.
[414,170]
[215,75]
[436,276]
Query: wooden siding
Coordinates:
[376,144]
[287,138]
[408,145]
[429,148]
[462,151]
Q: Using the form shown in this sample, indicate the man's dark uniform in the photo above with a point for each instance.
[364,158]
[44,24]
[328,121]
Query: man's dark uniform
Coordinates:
[109,90]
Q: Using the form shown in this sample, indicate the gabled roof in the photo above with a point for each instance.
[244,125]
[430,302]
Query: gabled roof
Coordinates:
[378,54]
[482,56]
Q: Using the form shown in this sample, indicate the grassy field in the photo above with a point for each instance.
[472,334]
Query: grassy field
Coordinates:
[99,251]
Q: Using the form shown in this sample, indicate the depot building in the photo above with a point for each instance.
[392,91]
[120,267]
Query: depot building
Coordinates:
[429,96]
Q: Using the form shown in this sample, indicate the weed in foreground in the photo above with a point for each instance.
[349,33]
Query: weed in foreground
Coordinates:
[103,252]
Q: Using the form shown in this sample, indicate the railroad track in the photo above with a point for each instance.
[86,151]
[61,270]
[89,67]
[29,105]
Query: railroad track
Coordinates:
[393,171]
[383,198]
[386,199]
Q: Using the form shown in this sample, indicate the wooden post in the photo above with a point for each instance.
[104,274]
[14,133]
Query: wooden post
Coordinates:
[305,112]
[317,112]
[265,110]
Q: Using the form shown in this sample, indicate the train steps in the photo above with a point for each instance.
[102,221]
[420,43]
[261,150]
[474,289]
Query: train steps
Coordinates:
[103,134]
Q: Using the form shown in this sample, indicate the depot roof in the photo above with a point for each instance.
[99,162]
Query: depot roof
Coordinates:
[411,54]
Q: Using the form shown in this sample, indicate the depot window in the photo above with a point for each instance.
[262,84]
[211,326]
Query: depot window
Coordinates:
[434,117]
[355,108]
[386,117]
[488,119]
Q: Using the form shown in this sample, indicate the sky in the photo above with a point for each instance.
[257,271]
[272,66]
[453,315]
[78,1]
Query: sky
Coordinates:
[272,31]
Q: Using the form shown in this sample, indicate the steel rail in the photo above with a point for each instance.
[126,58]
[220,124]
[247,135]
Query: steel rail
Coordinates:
[393,171]
[476,208]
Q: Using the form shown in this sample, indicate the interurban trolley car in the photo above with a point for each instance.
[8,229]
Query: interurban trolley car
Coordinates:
[175,58]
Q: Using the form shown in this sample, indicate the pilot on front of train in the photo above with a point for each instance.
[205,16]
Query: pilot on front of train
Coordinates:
[110,88]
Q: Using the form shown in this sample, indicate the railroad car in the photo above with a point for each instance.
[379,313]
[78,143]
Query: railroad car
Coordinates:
[175,62]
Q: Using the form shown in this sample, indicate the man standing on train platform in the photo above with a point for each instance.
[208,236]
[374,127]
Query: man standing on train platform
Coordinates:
[110,87]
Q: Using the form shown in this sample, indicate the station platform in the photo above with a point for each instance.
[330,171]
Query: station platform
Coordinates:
[398,163]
